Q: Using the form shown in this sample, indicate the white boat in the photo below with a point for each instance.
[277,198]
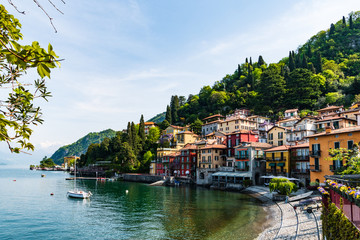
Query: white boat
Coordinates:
[77,193]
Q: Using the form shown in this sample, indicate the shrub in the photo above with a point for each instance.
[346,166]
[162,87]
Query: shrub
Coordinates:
[283,186]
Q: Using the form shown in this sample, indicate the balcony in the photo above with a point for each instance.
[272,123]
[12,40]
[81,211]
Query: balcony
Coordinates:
[315,168]
[304,171]
[333,168]
[316,153]
[300,157]
[259,156]
[240,157]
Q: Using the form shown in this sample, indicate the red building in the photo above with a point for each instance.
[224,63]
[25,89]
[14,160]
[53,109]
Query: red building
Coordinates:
[235,138]
[168,161]
[160,167]
[188,159]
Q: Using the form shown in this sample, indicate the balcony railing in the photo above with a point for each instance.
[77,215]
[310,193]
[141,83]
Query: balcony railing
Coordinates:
[316,153]
[300,157]
[300,170]
[276,159]
[242,156]
[259,156]
[315,168]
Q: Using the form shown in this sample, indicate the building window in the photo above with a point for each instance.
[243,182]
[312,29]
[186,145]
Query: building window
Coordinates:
[209,158]
[209,151]
[280,135]
[350,134]
[270,136]
[209,166]
[280,143]
[336,145]
[350,144]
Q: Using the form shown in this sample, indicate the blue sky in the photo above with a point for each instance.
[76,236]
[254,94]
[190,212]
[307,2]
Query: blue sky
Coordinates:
[124,58]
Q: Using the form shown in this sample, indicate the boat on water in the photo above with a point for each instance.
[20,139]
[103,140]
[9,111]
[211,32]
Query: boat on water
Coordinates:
[78,193]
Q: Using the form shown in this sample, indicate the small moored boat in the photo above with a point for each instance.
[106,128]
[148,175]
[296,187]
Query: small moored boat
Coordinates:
[78,193]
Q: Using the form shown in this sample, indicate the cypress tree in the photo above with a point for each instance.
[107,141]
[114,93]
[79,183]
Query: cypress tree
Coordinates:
[239,71]
[312,68]
[142,129]
[133,136]
[129,134]
[344,21]
[168,114]
[246,60]
[297,61]
[318,63]
[304,62]
[291,62]
[261,61]
[250,61]
[174,106]
[332,29]
[308,51]
[351,25]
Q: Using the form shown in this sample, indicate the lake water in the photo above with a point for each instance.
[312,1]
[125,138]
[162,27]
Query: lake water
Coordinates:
[28,211]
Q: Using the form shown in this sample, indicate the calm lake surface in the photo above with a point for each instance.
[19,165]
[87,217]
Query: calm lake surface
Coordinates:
[28,211]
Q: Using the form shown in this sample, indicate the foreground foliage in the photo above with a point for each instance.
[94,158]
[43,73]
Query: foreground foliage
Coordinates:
[18,112]
[283,186]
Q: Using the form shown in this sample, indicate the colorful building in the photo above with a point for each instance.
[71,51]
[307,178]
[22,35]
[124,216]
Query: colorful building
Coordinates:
[301,129]
[320,143]
[277,136]
[188,160]
[300,163]
[212,156]
[212,124]
[234,139]
[278,161]
[147,126]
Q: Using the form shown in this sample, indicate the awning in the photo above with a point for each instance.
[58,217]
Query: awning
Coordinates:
[272,164]
[281,164]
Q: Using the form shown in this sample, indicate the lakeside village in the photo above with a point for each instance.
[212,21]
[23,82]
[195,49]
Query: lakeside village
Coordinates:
[240,150]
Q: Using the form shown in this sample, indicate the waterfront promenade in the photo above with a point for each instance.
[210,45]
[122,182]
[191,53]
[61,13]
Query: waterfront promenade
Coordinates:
[285,221]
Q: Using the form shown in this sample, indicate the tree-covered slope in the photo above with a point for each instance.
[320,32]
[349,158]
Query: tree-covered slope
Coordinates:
[325,70]
[158,118]
[80,146]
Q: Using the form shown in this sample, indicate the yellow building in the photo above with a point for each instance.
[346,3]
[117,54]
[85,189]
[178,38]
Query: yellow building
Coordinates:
[277,136]
[319,150]
[153,167]
[212,156]
[184,137]
[278,161]
[172,129]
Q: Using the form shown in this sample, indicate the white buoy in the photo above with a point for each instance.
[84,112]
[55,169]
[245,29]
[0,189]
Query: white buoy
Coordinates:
[126,191]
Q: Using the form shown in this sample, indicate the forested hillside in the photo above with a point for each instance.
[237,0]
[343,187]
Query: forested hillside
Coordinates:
[80,146]
[325,70]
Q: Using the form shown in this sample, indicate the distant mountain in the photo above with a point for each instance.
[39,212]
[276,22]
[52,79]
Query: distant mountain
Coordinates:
[2,164]
[80,146]
[158,118]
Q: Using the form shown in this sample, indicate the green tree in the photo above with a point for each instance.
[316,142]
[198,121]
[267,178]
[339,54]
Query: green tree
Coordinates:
[47,163]
[261,61]
[318,63]
[164,124]
[302,90]
[168,117]
[18,112]
[154,134]
[333,97]
[272,88]
[332,29]
[291,62]
[196,126]
[283,186]
[142,129]
[350,158]
[174,106]
[351,24]
[344,21]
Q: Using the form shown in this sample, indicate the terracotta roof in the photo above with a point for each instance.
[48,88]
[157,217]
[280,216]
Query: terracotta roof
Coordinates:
[329,108]
[177,127]
[303,145]
[291,110]
[211,122]
[288,119]
[333,118]
[279,148]
[149,123]
[189,146]
[337,131]
[255,144]
[218,146]
[241,131]
[212,116]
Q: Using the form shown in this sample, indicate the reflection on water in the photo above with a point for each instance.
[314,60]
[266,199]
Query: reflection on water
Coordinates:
[143,213]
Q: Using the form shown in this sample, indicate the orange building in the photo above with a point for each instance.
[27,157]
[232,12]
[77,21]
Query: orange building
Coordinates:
[319,145]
